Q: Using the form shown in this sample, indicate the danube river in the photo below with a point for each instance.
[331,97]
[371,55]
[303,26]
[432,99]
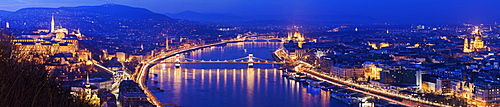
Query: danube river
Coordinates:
[233,85]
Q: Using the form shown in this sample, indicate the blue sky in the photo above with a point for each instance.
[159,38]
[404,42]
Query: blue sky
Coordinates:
[483,11]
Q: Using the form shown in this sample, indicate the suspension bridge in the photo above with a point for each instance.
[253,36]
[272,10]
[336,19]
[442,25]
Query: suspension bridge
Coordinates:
[250,59]
[262,38]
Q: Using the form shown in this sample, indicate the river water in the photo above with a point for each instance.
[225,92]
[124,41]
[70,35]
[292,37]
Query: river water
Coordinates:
[232,84]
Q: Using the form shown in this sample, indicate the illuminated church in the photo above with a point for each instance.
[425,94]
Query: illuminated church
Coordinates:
[475,42]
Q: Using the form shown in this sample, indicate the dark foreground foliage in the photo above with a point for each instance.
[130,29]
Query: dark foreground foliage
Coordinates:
[25,84]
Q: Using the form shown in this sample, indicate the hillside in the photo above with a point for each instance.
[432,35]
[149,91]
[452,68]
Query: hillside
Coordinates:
[206,17]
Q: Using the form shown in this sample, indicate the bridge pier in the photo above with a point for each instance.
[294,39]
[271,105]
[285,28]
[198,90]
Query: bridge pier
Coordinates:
[177,61]
[177,65]
[250,60]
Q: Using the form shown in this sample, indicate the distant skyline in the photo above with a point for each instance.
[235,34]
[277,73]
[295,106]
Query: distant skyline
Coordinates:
[397,11]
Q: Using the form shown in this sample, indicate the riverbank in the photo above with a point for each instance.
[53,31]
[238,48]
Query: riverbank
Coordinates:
[142,74]
[393,97]
[202,84]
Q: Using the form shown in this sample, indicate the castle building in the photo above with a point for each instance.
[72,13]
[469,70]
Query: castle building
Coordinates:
[42,43]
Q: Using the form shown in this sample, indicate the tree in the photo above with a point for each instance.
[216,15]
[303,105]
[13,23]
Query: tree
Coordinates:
[24,83]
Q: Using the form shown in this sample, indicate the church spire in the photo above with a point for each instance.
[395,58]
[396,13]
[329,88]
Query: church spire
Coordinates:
[52,24]
[166,43]
[87,83]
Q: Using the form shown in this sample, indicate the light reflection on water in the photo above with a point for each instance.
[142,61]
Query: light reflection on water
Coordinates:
[234,85]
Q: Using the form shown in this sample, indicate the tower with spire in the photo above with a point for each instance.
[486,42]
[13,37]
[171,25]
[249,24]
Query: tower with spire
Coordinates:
[467,45]
[166,44]
[89,94]
[87,89]
[52,25]
[87,82]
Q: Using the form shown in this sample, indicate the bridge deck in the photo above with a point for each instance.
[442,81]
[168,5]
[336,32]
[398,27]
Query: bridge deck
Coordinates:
[226,62]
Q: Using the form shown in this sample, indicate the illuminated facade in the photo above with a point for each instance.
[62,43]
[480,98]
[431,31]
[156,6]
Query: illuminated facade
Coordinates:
[121,56]
[372,71]
[294,43]
[42,43]
[348,71]
[87,92]
[463,89]
[296,37]
[475,43]
[379,45]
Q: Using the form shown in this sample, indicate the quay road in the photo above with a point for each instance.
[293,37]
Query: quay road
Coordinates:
[117,81]
[365,89]
[141,74]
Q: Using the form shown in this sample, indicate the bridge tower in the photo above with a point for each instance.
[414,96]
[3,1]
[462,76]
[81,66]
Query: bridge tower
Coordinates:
[250,60]
[177,62]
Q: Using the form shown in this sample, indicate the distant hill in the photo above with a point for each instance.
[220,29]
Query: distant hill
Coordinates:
[4,13]
[206,17]
[109,26]
[120,11]
[113,10]
[103,18]
[109,19]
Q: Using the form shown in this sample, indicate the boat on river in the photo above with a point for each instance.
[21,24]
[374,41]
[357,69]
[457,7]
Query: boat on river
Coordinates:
[300,77]
[346,96]
[328,86]
[314,82]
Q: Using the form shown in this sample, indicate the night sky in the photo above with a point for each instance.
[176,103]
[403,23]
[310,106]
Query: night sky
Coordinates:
[398,11]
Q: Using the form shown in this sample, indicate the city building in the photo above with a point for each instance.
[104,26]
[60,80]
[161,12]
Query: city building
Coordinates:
[372,71]
[121,56]
[487,92]
[131,95]
[87,91]
[295,37]
[348,71]
[379,45]
[400,76]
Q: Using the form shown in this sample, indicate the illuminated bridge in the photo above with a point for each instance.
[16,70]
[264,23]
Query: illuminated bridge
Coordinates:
[262,38]
[142,69]
[250,59]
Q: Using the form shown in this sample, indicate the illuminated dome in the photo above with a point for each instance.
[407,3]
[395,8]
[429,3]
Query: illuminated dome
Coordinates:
[62,30]
[297,34]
